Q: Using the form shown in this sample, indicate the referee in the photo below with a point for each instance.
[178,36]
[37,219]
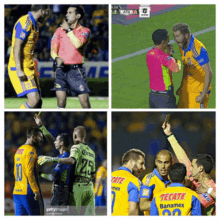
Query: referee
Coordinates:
[67,49]
[161,65]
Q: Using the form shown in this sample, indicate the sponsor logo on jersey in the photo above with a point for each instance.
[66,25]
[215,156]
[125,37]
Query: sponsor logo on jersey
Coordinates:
[117,179]
[58,86]
[166,206]
[172,196]
[81,88]
[22,35]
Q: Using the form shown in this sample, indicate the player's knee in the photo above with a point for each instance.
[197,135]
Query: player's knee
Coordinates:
[39,104]
[34,100]
[61,103]
[84,101]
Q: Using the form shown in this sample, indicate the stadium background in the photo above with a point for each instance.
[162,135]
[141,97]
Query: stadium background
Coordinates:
[195,132]
[16,125]
[96,54]
[130,77]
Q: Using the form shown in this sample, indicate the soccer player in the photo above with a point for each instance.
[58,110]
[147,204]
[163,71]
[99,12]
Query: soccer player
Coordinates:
[160,66]
[156,181]
[126,185]
[27,194]
[59,176]
[198,171]
[195,88]
[21,67]
[100,185]
[176,199]
[67,49]
[82,158]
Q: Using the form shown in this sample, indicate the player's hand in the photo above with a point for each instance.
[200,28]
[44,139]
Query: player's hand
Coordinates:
[202,188]
[170,49]
[22,76]
[200,98]
[45,159]
[65,25]
[37,196]
[167,128]
[38,120]
[60,61]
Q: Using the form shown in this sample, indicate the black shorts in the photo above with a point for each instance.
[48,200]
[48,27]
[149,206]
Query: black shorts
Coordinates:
[60,196]
[71,80]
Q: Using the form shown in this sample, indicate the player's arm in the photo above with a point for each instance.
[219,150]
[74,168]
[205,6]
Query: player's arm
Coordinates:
[196,206]
[30,159]
[98,181]
[133,208]
[204,188]
[208,80]
[145,196]
[46,133]
[178,150]
[153,207]
[133,198]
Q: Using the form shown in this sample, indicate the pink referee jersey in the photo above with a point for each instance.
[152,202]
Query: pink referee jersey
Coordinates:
[64,47]
[160,66]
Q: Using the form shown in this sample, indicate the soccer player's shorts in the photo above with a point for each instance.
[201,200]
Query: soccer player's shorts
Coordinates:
[100,200]
[164,99]
[188,100]
[27,205]
[71,80]
[23,88]
[60,195]
[82,199]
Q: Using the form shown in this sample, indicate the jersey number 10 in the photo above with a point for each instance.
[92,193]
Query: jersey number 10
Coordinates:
[19,172]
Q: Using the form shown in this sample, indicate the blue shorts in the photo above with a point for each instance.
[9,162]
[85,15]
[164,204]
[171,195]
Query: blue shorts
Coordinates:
[27,205]
[71,80]
[100,201]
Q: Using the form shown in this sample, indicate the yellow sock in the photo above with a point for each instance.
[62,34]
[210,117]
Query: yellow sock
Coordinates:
[25,106]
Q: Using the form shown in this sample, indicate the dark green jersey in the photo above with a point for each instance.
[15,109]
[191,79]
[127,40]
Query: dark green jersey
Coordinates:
[85,160]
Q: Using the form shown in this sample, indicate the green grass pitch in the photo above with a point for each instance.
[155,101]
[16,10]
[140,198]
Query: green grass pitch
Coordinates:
[130,77]
[52,102]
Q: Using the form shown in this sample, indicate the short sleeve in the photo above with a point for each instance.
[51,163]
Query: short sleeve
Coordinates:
[84,36]
[196,206]
[147,188]
[203,57]
[133,193]
[23,28]
[74,152]
[56,36]
[153,207]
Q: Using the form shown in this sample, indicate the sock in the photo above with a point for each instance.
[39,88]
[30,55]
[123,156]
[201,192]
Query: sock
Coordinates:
[25,106]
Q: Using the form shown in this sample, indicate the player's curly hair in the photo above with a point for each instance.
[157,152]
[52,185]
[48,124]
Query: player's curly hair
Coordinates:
[183,28]
[33,131]
[132,154]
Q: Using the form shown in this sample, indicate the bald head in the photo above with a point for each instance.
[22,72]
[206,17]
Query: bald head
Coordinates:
[79,134]
[164,153]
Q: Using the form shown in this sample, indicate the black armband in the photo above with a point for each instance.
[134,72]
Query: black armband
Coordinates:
[68,30]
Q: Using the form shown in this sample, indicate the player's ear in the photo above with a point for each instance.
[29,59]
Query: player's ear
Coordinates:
[78,16]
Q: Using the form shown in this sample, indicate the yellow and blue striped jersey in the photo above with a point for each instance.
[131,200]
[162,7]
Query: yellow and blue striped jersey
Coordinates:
[124,189]
[176,200]
[25,171]
[193,58]
[26,29]
[101,173]
[152,184]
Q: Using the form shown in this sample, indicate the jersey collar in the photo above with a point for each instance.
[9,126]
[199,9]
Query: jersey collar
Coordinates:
[176,184]
[125,168]
[32,19]
[190,44]
[159,176]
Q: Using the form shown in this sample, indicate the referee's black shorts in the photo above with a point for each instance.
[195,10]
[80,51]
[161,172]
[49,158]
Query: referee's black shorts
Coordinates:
[60,195]
[71,79]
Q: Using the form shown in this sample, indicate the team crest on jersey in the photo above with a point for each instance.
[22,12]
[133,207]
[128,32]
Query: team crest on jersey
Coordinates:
[146,192]
[85,34]
[81,88]
[22,35]
[58,86]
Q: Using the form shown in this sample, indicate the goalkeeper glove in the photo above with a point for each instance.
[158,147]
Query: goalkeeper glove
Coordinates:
[45,159]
